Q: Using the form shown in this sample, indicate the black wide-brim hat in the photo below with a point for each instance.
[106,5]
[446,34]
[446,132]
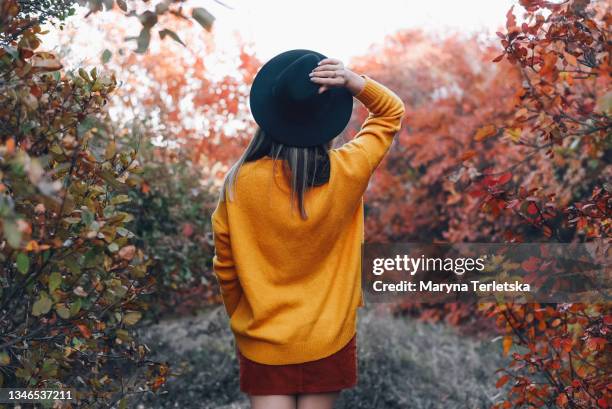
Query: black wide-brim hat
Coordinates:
[287,105]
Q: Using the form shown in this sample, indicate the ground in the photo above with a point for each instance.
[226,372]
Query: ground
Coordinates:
[403,363]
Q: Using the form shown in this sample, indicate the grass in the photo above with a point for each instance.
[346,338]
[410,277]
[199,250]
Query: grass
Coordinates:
[402,364]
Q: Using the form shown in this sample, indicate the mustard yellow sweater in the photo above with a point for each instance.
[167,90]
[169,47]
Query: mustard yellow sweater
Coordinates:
[291,286]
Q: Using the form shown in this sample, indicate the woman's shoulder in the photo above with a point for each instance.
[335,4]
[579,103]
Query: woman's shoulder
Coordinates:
[256,169]
[350,162]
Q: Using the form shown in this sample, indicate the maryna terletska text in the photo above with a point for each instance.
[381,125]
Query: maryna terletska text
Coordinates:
[430,286]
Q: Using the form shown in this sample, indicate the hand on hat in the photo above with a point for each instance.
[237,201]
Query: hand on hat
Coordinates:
[331,73]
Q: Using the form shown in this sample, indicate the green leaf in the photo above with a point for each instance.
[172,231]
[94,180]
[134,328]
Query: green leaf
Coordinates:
[13,52]
[143,40]
[132,317]
[62,311]
[122,5]
[55,279]
[83,74]
[73,265]
[75,307]
[11,233]
[148,19]
[42,305]
[111,180]
[87,123]
[166,32]
[203,17]
[113,247]
[106,56]
[56,149]
[120,199]
[49,367]
[87,217]
[5,359]
[23,263]
[123,335]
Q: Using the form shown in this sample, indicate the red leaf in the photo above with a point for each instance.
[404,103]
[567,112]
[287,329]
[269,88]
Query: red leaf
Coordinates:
[476,192]
[512,203]
[504,178]
[502,381]
[468,154]
[566,345]
[36,91]
[498,58]
[84,330]
[510,19]
[531,264]
[532,208]
[187,229]
[596,343]
[562,400]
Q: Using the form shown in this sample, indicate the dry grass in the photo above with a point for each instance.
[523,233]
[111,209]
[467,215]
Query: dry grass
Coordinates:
[403,364]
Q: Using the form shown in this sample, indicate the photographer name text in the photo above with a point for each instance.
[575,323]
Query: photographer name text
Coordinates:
[430,286]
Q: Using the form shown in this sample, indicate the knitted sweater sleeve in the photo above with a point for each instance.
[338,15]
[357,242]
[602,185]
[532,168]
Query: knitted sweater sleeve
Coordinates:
[223,262]
[360,156]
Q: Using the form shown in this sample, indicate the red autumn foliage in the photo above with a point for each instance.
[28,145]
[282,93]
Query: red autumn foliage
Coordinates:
[516,151]
[510,147]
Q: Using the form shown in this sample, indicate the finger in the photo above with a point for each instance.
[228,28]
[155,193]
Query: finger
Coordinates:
[330,61]
[322,89]
[326,67]
[324,74]
[327,81]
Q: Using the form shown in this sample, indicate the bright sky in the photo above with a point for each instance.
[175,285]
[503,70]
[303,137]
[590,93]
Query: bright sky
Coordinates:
[338,28]
[345,28]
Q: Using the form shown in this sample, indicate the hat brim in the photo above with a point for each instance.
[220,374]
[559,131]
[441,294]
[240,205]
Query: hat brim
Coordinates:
[316,127]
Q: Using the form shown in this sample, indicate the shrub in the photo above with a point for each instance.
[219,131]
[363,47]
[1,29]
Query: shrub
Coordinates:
[71,279]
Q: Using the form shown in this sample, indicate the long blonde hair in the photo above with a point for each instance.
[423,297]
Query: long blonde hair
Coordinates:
[308,167]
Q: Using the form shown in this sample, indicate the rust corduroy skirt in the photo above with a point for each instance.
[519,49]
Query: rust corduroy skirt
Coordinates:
[333,373]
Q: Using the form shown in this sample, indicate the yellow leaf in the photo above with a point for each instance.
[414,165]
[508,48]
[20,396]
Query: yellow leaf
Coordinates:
[523,112]
[485,132]
[514,134]
[127,252]
[110,150]
[570,59]
[604,103]
[43,61]
[32,246]
[507,343]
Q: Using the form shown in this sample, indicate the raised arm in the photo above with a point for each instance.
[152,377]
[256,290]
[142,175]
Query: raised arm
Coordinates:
[361,156]
[376,135]
[223,262]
